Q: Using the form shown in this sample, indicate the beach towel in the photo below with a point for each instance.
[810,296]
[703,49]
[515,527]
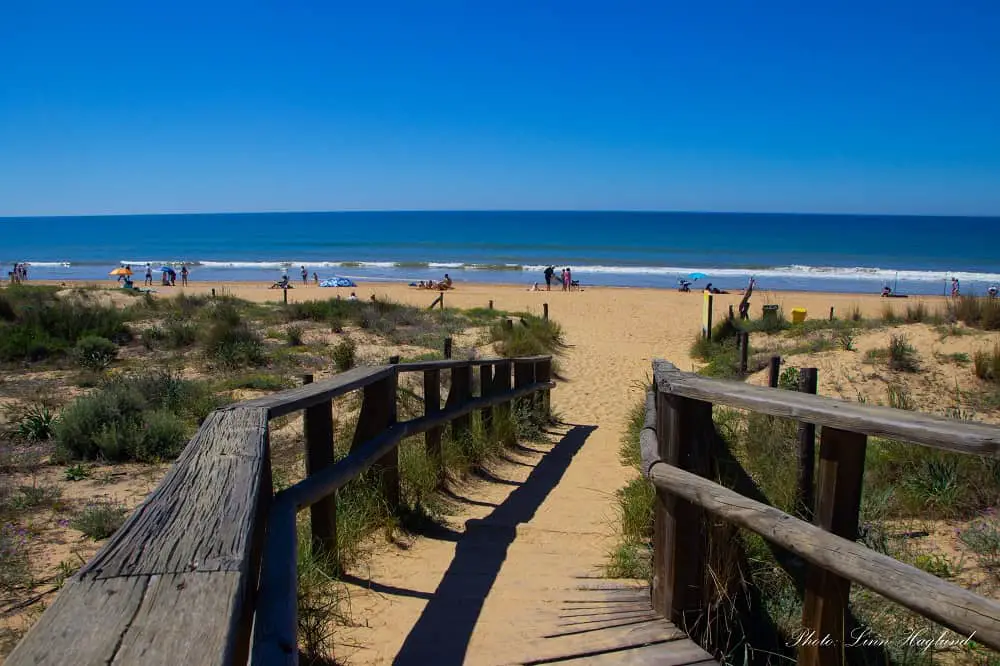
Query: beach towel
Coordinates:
[337,282]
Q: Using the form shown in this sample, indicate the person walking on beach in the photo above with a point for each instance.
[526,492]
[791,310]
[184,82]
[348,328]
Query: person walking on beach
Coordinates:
[954,288]
[567,279]
[305,275]
[149,276]
[184,275]
[549,273]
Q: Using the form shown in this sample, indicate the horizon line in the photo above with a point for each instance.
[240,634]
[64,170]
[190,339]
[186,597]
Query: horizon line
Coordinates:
[637,211]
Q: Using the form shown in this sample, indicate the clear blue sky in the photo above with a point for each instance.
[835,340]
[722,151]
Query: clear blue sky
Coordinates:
[758,105]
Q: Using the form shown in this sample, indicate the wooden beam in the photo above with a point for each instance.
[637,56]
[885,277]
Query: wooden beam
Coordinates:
[459,394]
[827,595]
[934,431]
[292,400]
[945,603]
[378,412]
[432,405]
[318,429]
[485,390]
[807,450]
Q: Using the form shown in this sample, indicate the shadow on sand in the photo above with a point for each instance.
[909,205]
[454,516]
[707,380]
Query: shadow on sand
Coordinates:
[442,633]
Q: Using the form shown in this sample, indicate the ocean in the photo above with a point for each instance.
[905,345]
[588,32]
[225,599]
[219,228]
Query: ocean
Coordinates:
[846,253]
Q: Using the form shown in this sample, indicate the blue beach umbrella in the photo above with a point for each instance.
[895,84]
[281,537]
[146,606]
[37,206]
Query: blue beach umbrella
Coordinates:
[697,276]
[166,269]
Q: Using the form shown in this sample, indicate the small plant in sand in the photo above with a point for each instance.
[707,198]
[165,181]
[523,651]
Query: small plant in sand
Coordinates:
[902,355]
[294,335]
[845,339]
[99,520]
[95,353]
[986,363]
[14,569]
[789,379]
[36,425]
[344,353]
[983,538]
[898,396]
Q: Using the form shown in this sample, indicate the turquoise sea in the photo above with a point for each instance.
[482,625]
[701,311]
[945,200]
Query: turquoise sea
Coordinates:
[857,253]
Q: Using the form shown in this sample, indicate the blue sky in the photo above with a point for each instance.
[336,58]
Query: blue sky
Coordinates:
[756,105]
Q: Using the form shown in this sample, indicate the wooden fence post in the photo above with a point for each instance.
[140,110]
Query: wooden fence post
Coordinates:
[432,405]
[807,450]
[393,360]
[509,324]
[831,313]
[501,384]
[824,611]
[284,294]
[679,550]
[486,389]
[524,374]
[545,311]
[773,371]
[317,426]
[447,347]
[459,394]
[543,373]
[491,305]
[744,341]
[378,412]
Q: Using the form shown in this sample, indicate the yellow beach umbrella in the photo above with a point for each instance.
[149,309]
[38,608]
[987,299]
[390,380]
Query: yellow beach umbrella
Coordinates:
[121,271]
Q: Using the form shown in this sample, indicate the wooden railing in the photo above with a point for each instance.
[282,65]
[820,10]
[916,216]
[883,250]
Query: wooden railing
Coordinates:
[677,446]
[203,572]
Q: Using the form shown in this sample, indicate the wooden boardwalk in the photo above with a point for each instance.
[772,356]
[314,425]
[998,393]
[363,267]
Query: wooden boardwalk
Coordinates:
[612,623]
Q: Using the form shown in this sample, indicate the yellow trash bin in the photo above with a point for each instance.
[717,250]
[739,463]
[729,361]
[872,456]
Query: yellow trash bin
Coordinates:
[798,315]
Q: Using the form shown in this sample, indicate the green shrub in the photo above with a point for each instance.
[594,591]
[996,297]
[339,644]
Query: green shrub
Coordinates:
[789,379]
[94,353]
[986,364]
[232,343]
[36,324]
[294,335]
[532,336]
[180,334]
[344,354]
[983,538]
[15,570]
[902,356]
[36,425]
[257,381]
[916,312]
[142,417]
[898,396]
[99,520]
[845,339]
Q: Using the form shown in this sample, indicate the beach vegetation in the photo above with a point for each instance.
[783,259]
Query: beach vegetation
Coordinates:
[37,323]
[100,519]
[986,363]
[233,343]
[975,311]
[256,381]
[529,336]
[95,353]
[901,354]
[294,335]
[35,424]
[140,417]
[344,354]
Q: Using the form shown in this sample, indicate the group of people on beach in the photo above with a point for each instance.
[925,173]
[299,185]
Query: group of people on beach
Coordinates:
[565,279]
[443,285]
[19,274]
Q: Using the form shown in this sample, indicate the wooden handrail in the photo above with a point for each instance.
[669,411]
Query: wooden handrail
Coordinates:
[677,439]
[948,604]
[179,582]
[934,431]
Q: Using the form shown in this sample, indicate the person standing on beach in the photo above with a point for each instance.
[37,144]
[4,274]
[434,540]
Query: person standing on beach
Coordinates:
[184,275]
[149,276]
[549,273]
[568,279]
[315,279]
[305,275]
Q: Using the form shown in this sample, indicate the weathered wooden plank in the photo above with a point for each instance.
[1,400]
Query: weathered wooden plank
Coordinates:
[199,531]
[318,429]
[432,405]
[608,619]
[670,653]
[459,395]
[607,640]
[378,414]
[825,607]
[921,592]
[274,631]
[311,489]
[420,366]
[916,427]
[684,536]
[292,400]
